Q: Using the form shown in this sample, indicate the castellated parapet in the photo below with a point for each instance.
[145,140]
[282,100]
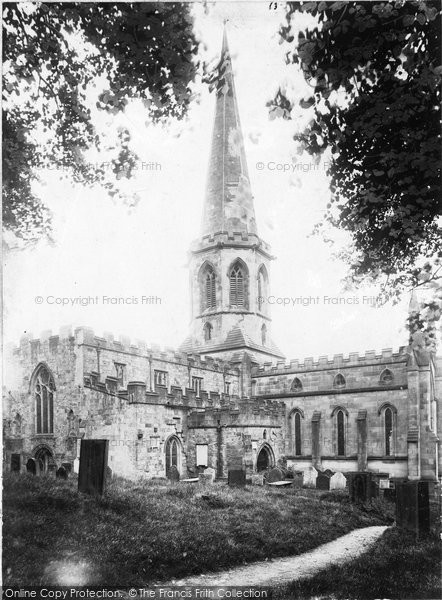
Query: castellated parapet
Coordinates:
[337,361]
[239,239]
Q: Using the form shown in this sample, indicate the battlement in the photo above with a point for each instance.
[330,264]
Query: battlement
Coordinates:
[227,238]
[87,336]
[136,392]
[244,411]
[338,360]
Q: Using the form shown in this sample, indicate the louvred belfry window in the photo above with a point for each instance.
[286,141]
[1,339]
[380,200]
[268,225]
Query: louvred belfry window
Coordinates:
[236,286]
[210,291]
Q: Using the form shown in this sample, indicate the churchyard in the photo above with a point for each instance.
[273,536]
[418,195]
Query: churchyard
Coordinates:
[147,532]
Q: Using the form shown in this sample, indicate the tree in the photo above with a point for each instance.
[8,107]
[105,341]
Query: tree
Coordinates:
[374,69]
[53,54]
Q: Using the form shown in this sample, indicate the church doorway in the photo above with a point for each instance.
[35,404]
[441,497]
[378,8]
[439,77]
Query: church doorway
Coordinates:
[173,452]
[265,458]
[45,461]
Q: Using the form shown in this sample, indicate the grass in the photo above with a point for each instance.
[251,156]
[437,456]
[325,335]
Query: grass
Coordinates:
[398,566]
[147,532]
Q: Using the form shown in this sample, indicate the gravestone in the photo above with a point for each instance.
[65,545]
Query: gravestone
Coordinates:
[31,466]
[61,473]
[236,477]
[93,463]
[109,473]
[15,463]
[310,476]
[257,479]
[173,474]
[298,479]
[361,487]
[338,481]
[275,474]
[68,467]
[323,479]
[208,476]
[413,506]
[76,466]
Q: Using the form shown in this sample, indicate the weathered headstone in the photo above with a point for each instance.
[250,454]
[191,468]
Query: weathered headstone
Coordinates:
[236,477]
[323,479]
[68,467]
[413,506]
[31,466]
[310,476]
[93,463]
[298,479]
[208,476]
[338,481]
[275,474]
[173,474]
[15,463]
[61,473]
[361,487]
[257,479]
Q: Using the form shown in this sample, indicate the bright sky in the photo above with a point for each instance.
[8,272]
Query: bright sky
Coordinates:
[104,249]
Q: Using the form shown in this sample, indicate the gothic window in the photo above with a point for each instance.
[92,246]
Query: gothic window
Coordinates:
[209,288]
[339,381]
[172,451]
[237,285]
[388,431]
[295,431]
[264,335]
[296,385]
[160,377]
[207,332]
[340,430]
[227,385]
[197,383]
[120,370]
[262,287]
[386,377]
[44,401]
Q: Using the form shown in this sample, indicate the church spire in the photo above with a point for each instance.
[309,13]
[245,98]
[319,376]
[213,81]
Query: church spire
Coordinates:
[229,202]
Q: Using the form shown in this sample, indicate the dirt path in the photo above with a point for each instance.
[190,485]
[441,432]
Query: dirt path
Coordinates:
[285,570]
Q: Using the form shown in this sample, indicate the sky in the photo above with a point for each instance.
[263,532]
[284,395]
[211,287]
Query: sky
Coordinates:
[105,250]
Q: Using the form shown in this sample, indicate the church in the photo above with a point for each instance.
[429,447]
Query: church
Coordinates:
[227,398]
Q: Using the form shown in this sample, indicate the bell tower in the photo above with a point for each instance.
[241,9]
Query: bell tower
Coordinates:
[230,263]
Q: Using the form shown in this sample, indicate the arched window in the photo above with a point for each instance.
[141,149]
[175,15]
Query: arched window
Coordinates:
[172,450]
[209,281]
[386,377]
[295,431]
[44,390]
[388,431]
[339,381]
[262,287]
[264,335]
[296,385]
[237,285]
[340,430]
[207,332]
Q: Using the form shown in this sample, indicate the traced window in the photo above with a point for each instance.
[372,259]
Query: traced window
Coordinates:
[237,285]
[296,385]
[160,377]
[172,450]
[120,369]
[386,377]
[264,335]
[44,401]
[197,384]
[339,381]
[207,332]
[340,427]
[202,455]
[388,431]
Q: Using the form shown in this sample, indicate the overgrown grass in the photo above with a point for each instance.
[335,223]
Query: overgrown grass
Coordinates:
[145,532]
[398,566]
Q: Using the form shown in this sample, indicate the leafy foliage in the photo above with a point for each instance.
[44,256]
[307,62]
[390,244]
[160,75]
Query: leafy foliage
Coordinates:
[375,73]
[53,54]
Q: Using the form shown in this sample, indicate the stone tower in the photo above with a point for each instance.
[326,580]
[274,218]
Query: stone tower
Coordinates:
[229,264]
